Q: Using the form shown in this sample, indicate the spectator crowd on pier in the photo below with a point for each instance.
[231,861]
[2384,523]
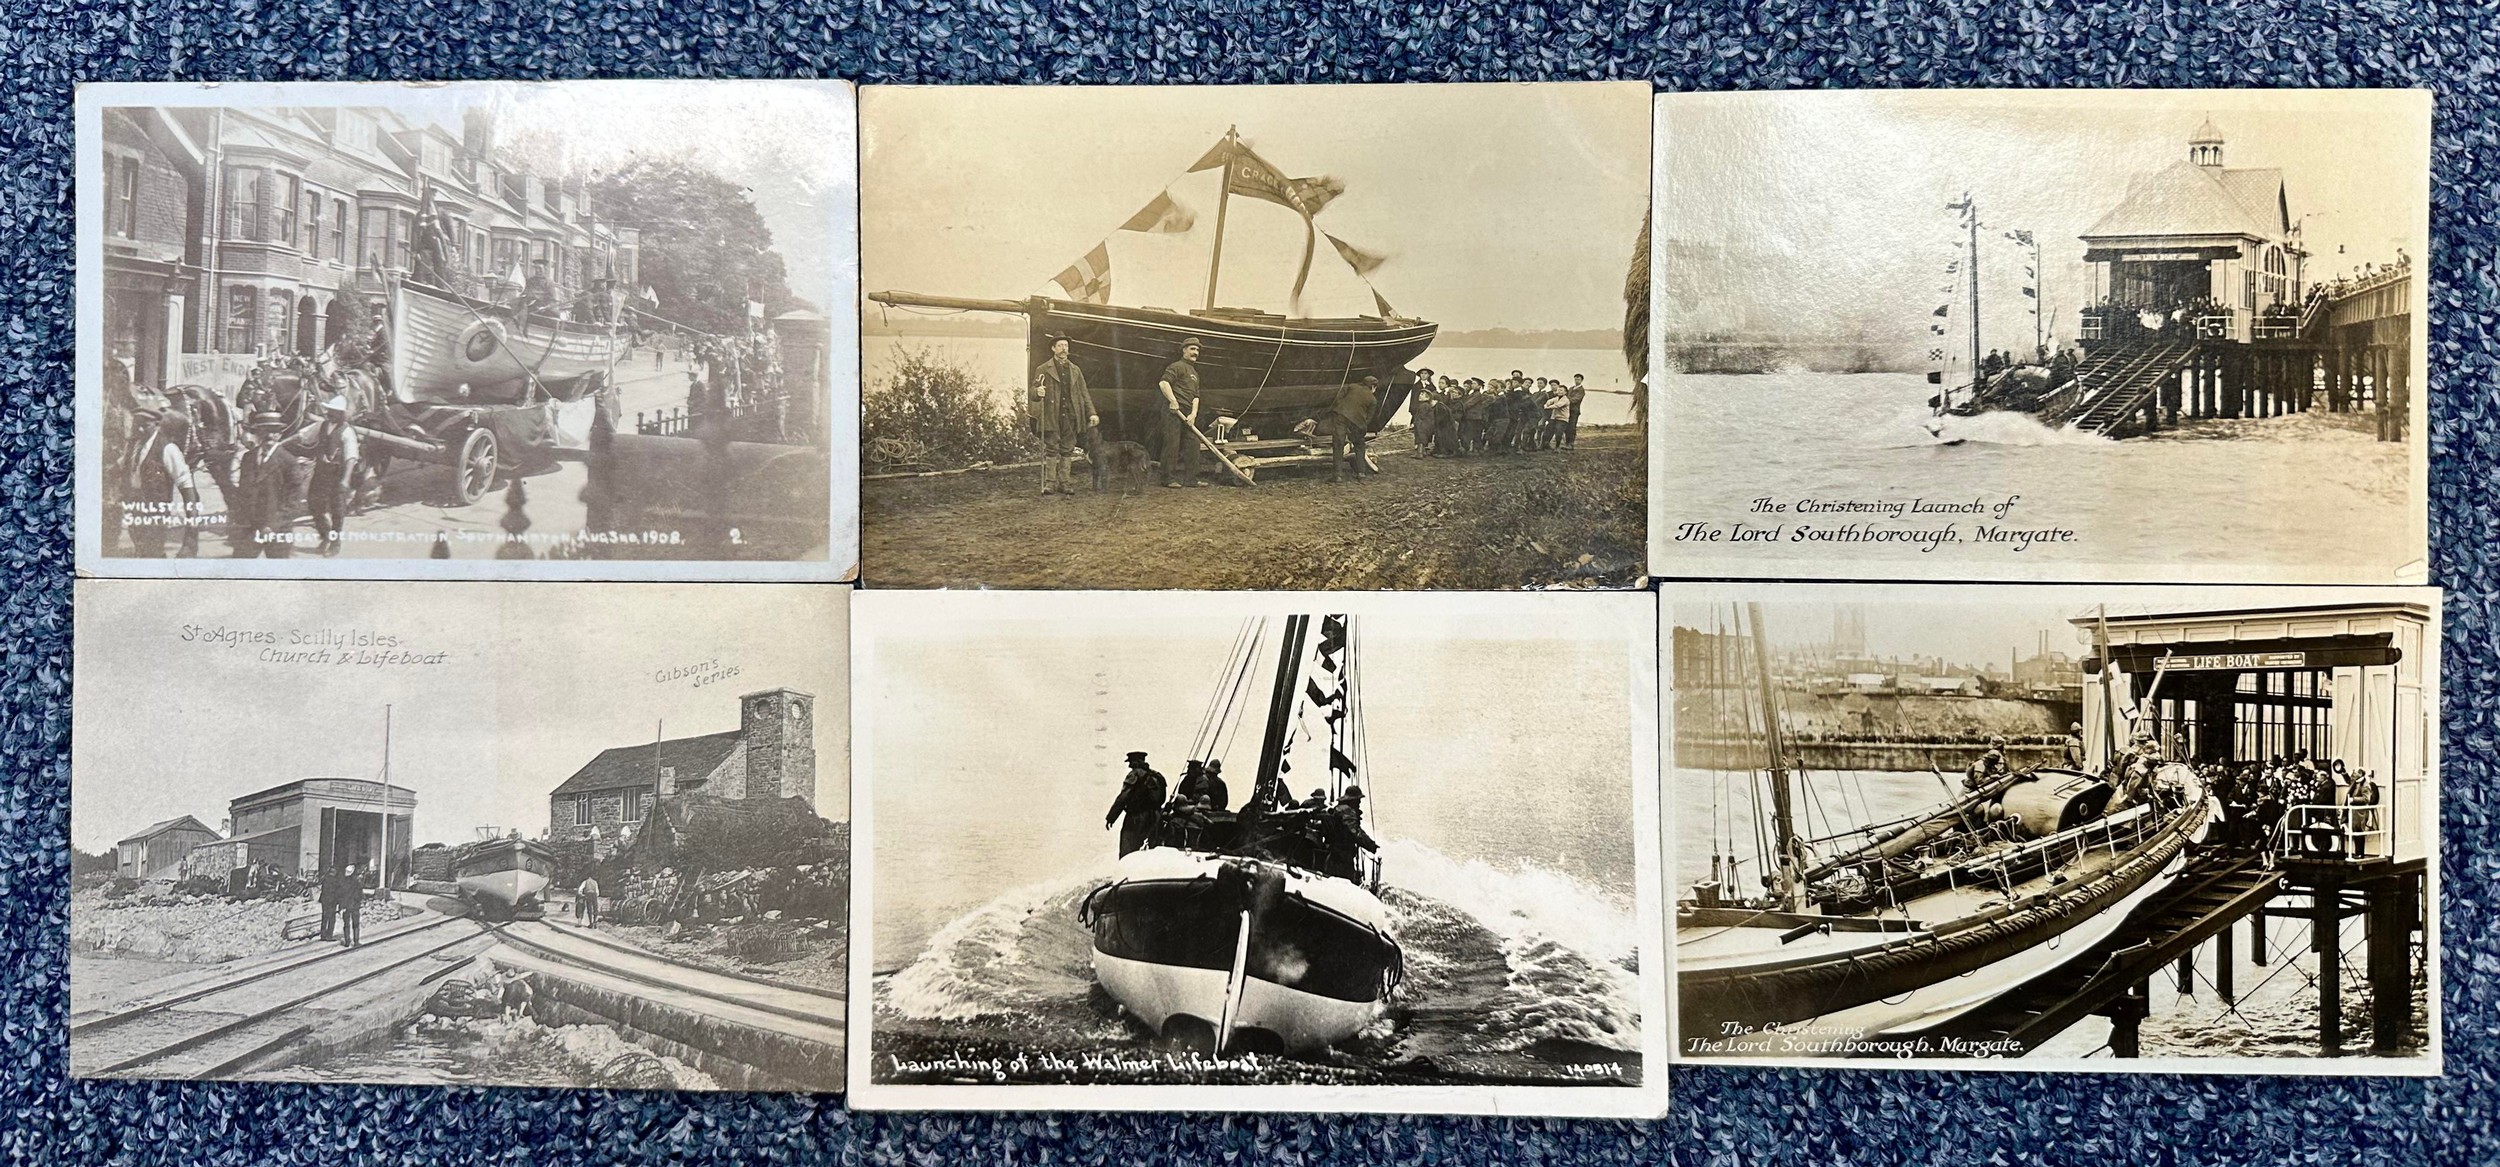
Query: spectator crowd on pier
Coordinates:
[2298,805]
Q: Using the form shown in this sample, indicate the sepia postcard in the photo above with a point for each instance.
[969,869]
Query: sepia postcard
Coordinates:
[2108,828]
[2044,335]
[468,330]
[1258,852]
[461,833]
[1404,369]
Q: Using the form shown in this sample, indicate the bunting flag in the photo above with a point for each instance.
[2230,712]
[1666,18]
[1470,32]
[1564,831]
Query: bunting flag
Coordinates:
[1382,302]
[1161,216]
[1945,309]
[1257,178]
[2022,237]
[1088,280]
[1363,262]
[650,297]
[1339,762]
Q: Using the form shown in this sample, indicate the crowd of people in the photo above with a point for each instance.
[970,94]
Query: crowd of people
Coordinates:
[2330,809]
[1506,415]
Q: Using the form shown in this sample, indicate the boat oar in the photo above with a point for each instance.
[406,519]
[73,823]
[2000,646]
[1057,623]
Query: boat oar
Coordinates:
[1233,984]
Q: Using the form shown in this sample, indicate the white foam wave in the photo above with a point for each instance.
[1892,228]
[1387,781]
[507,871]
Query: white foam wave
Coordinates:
[1007,954]
[1519,902]
[1996,428]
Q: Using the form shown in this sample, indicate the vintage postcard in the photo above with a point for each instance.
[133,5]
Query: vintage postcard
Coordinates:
[461,833]
[2186,829]
[468,330]
[2051,335]
[1405,368]
[1257,851]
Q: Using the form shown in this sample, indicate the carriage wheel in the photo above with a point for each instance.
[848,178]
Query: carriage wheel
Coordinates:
[474,472]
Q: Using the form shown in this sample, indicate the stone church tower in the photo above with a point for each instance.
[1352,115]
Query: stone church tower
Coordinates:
[780,730]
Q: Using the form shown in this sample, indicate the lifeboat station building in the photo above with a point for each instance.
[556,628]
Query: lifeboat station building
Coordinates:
[2205,306]
[322,824]
[2345,682]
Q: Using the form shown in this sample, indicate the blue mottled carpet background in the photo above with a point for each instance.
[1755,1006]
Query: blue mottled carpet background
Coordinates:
[1721,1115]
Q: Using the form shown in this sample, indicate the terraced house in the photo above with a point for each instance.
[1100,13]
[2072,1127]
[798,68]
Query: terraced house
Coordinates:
[231,233]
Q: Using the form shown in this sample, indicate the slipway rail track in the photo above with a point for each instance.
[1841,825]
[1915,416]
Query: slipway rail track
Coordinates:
[232,1023]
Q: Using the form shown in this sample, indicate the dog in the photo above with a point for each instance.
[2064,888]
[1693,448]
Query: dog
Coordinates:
[1126,460]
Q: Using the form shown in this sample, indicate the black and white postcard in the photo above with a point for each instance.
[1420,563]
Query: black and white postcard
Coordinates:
[461,833]
[2106,828]
[475,330]
[1257,851]
[2128,336]
[1383,325]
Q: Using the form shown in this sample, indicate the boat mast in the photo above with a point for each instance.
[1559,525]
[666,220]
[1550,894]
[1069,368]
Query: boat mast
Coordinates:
[1223,203]
[1280,712]
[1970,211]
[1783,810]
[2109,691]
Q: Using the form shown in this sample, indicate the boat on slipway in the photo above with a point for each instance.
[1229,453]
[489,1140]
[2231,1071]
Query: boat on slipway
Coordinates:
[1259,929]
[504,877]
[1265,371]
[1887,929]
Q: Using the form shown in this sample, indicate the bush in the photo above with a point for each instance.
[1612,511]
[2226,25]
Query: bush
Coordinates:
[926,414]
[765,943]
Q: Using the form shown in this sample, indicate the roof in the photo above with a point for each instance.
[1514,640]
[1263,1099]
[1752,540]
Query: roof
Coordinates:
[390,793]
[2186,199]
[186,822]
[621,767]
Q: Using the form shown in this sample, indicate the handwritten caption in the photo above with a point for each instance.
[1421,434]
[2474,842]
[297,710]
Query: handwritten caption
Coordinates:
[1809,1040]
[1929,524]
[314,647]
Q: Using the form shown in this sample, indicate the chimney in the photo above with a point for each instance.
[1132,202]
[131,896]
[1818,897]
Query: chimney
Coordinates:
[780,730]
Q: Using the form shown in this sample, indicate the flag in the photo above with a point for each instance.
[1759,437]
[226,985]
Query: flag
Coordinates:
[1386,311]
[1256,177]
[1161,216]
[1944,309]
[2034,293]
[755,309]
[1088,280]
[1363,262]
[1339,762]
[650,297]
[2022,237]
[1935,376]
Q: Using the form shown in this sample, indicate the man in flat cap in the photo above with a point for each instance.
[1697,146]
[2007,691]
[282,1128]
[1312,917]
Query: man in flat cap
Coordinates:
[1139,807]
[1063,408]
[269,486]
[1180,398]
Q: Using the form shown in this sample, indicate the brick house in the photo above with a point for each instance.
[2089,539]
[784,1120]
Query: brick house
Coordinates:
[235,232]
[771,756]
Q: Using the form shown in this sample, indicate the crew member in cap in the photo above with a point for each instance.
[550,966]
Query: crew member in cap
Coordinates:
[336,449]
[269,485]
[1139,806]
[1347,840]
[1062,409]
[1180,397]
[1349,425]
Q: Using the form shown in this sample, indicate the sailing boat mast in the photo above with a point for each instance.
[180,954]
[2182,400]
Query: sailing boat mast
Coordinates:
[2109,691]
[383,873]
[1223,203]
[1970,212]
[1791,861]
[1268,788]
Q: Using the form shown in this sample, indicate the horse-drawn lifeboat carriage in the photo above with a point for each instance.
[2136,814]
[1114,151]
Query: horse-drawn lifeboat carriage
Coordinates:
[483,390]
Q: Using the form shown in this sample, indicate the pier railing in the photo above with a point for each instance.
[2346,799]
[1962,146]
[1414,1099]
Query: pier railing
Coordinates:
[2335,829]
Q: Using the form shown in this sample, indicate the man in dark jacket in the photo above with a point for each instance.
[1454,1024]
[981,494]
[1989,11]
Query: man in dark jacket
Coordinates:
[328,886]
[1180,401]
[1063,409]
[351,898]
[1139,806]
[1218,796]
[1347,840]
[269,488]
[1349,424]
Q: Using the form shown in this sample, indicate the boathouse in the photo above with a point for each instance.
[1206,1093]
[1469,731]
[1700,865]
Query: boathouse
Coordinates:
[2205,305]
[157,852]
[2344,682]
[322,824]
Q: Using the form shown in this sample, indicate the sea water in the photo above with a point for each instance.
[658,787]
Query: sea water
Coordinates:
[2311,489]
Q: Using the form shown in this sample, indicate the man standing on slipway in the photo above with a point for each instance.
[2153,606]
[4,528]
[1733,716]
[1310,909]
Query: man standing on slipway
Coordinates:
[1063,409]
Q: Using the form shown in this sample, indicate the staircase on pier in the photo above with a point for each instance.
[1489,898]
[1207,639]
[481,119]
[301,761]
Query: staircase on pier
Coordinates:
[2216,890]
[2117,380]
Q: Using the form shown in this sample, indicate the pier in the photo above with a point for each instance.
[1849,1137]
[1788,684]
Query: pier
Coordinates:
[2342,682]
[2204,309]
